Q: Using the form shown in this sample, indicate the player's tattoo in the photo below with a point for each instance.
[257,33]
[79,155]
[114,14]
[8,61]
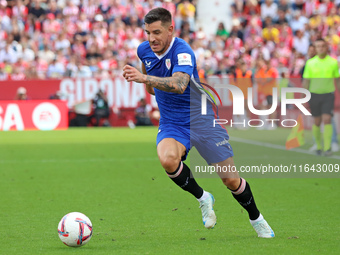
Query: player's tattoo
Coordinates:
[177,83]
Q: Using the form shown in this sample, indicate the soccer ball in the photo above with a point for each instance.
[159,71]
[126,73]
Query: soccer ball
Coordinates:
[75,229]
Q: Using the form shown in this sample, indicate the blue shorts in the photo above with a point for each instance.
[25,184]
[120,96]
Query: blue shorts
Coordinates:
[212,143]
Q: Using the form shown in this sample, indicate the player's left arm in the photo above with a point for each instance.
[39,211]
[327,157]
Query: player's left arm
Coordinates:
[337,83]
[177,83]
[337,76]
[306,76]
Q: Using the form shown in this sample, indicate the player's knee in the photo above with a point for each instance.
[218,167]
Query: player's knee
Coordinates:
[231,183]
[170,162]
[327,119]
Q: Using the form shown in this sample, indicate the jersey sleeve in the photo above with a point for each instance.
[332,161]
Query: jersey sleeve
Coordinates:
[306,71]
[139,52]
[184,60]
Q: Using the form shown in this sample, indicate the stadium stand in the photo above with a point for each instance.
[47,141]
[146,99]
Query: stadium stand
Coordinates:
[95,38]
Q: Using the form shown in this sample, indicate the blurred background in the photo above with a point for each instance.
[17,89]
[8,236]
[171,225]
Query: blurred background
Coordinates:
[74,50]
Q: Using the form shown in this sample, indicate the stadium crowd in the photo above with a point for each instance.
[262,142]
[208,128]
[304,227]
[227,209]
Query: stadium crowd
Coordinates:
[51,39]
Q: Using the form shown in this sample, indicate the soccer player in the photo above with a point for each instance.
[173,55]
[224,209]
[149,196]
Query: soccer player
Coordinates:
[320,74]
[168,64]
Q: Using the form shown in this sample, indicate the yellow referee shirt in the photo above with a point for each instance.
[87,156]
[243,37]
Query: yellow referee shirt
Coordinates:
[321,73]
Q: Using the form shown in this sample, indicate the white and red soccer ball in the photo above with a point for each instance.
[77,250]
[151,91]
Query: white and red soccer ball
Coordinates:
[75,229]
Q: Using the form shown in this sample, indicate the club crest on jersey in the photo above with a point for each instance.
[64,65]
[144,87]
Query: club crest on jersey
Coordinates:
[168,63]
[147,64]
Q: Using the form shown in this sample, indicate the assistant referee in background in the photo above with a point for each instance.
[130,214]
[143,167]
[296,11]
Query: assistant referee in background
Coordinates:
[320,76]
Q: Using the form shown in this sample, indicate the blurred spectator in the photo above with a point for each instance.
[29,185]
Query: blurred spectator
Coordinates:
[16,75]
[298,21]
[51,25]
[170,6]
[62,43]
[71,10]
[3,75]
[21,94]
[268,9]
[270,33]
[19,10]
[266,79]
[284,6]
[90,8]
[46,54]
[71,68]
[298,4]
[186,12]
[54,9]
[56,96]
[221,31]
[143,112]
[41,66]
[333,18]
[186,31]
[37,13]
[261,51]
[8,54]
[31,73]
[243,80]
[301,42]
[281,17]
[101,109]
[253,28]
[251,8]
[83,71]
[93,65]
[55,69]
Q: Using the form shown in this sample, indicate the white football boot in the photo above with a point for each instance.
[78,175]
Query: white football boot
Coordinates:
[208,214]
[263,229]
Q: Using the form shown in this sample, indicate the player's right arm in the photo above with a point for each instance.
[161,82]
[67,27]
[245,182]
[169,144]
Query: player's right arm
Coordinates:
[149,88]
[306,83]
[306,76]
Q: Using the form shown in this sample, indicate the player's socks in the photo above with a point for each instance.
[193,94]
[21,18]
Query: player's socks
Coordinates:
[244,196]
[327,136]
[182,177]
[317,135]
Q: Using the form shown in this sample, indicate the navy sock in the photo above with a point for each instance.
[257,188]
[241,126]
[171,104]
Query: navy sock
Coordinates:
[183,178]
[244,196]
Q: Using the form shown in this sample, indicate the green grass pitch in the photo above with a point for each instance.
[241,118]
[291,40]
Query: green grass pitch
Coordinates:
[114,177]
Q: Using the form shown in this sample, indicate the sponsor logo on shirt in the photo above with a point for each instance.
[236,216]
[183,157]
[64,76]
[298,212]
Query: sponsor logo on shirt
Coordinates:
[184,59]
[224,142]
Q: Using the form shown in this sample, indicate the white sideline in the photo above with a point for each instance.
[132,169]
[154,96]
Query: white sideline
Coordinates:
[275,146]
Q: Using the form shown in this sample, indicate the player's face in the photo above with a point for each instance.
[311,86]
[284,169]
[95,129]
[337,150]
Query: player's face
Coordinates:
[159,36]
[321,48]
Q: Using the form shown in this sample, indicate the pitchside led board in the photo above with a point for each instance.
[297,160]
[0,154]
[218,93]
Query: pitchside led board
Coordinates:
[33,115]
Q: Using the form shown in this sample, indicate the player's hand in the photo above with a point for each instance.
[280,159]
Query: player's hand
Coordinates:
[132,74]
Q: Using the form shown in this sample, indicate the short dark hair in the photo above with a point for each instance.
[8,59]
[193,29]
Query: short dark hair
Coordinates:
[158,14]
[320,40]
